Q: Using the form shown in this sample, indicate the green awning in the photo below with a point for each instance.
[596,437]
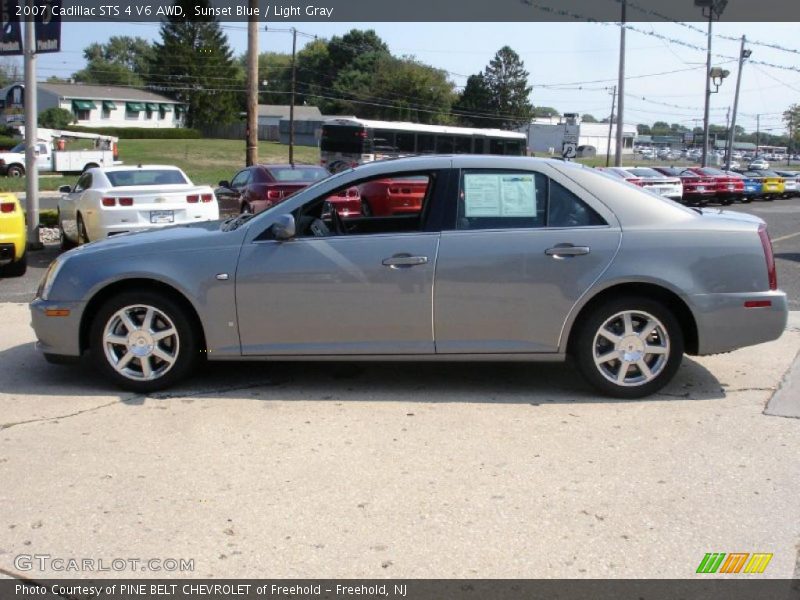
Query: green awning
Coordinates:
[151,106]
[179,108]
[166,107]
[134,106]
[83,105]
[109,105]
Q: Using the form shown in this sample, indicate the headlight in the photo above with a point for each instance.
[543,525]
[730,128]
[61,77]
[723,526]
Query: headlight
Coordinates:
[46,284]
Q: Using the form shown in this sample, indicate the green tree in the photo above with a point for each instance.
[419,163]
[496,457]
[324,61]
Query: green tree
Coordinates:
[123,60]
[194,64]
[474,104]
[587,118]
[410,91]
[56,118]
[643,129]
[10,71]
[507,81]
[792,119]
[545,112]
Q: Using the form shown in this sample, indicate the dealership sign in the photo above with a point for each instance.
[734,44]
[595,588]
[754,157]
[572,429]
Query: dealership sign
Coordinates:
[48,28]
[11,35]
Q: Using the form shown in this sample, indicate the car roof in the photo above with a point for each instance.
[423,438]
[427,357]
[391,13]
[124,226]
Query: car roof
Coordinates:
[288,166]
[134,167]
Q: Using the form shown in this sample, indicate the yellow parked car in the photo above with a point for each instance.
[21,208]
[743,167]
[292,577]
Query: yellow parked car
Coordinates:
[13,237]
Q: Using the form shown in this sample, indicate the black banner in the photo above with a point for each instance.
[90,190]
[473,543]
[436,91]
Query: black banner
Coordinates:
[11,40]
[741,588]
[410,11]
[48,26]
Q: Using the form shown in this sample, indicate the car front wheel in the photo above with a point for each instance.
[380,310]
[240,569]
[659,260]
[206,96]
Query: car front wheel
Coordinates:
[143,341]
[629,347]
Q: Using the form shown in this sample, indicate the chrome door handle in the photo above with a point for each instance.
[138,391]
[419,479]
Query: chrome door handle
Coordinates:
[404,260]
[563,250]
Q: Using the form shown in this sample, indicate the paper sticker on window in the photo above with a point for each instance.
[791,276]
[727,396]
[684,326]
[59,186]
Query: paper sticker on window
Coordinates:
[499,195]
[481,195]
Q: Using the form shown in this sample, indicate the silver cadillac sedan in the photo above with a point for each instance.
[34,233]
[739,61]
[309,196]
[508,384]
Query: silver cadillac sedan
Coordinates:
[472,258]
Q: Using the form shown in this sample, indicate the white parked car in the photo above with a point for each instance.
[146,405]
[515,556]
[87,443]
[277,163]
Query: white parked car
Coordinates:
[107,201]
[652,180]
[758,164]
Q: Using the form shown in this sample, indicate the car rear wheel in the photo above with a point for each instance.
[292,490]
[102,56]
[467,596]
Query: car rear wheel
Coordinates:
[246,209]
[143,341]
[15,171]
[629,347]
[83,237]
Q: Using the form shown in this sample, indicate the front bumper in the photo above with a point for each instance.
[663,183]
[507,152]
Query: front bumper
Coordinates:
[725,324]
[58,335]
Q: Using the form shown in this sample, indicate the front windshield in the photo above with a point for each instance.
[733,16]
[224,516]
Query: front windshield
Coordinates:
[18,148]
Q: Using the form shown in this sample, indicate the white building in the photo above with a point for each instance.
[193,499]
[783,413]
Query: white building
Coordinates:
[98,105]
[545,134]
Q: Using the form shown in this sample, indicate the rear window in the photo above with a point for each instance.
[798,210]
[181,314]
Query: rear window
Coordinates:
[710,171]
[146,177]
[645,172]
[298,173]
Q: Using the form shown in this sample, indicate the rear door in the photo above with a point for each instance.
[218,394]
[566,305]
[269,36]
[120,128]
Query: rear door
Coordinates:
[523,249]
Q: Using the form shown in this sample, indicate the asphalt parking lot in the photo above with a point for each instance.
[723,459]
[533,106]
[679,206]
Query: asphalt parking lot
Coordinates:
[403,470]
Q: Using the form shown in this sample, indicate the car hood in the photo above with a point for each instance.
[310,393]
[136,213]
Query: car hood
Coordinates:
[189,237]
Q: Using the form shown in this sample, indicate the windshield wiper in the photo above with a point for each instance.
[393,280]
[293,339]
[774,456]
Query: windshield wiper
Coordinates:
[235,222]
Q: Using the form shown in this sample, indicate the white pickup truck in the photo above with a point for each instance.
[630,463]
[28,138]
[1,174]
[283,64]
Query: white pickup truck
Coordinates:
[52,155]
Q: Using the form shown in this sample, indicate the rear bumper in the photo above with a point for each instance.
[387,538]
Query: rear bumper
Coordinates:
[57,335]
[724,324]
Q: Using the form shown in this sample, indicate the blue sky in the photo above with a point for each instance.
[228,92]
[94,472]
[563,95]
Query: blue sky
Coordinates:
[554,53]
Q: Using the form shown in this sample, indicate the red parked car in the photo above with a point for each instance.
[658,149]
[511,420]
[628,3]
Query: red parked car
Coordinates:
[727,188]
[697,189]
[387,197]
[258,187]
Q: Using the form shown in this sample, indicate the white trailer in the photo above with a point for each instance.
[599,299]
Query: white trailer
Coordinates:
[52,154]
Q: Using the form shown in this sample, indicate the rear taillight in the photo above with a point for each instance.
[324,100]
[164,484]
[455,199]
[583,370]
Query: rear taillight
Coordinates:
[274,194]
[193,199]
[766,243]
[206,197]
[8,207]
[125,201]
[636,181]
[109,201]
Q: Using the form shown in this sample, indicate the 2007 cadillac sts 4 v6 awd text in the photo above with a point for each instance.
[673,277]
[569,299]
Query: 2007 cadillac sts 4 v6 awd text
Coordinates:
[507,258]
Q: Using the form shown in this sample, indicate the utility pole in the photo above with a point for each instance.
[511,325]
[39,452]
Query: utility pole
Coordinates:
[291,106]
[610,125]
[621,88]
[31,135]
[743,54]
[789,145]
[758,133]
[251,157]
[708,91]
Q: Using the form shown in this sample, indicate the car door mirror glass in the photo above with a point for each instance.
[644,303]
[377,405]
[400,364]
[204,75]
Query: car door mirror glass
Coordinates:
[225,183]
[65,189]
[283,228]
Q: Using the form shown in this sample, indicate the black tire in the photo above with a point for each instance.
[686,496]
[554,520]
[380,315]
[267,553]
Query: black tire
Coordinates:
[183,346]
[66,243]
[366,211]
[16,268]
[83,237]
[666,333]
[727,201]
[746,200]
[16,171]
[246,209]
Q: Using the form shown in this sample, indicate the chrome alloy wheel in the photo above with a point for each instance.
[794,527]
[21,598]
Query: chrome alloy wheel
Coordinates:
[141,342]
[631,348]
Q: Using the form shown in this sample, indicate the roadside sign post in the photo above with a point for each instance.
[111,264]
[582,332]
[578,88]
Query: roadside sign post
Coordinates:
[31,125]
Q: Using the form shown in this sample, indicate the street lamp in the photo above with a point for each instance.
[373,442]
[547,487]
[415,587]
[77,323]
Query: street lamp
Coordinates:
[711,9]
[717,75]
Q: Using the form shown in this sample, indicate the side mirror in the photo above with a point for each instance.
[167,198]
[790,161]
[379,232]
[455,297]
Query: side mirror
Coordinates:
[283,228]
[225,183]
[65,189]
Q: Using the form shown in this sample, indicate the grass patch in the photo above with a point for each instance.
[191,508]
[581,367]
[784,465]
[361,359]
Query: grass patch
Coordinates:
[205,161]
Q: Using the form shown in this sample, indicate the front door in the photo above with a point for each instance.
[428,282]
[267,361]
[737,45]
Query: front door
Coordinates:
[340,287]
